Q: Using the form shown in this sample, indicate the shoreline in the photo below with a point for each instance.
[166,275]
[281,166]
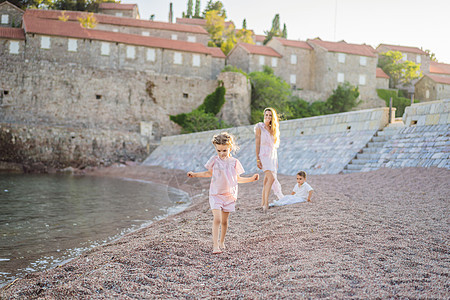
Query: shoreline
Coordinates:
[363,235]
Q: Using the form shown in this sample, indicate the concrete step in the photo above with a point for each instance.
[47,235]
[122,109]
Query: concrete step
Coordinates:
[345,171]
[367,156]
[375,144]
[359,161]
[372,150]
[354,167]
[381,138]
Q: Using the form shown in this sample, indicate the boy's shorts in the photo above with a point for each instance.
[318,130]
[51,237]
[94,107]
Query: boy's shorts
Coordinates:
[223,203]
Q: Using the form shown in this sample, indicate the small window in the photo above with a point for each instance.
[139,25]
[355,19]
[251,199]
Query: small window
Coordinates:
[192,39]
[174,37]
[105,48]
[151,55]
[427,94]
[98,97]
[196,60]
[177,58]
[45,42]
[293,79]
[185,95]
[341,57]
[340,77]
[5,92]
[362,79]
[293,59]
[115,30]
[119,14]
[131,52]
[259,43]
[14,47]
[261,60]
[274,61]
[405,57]
[363,60]
[72,45]
[5,19]
[418,59]
[414,122]
[145,33]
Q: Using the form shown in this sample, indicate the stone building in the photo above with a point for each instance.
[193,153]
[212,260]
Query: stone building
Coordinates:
[11,15]
[295,64]
[188,33]
[440,69]
[119,10]
[337,62]
[433,87]
[413,54]
[382,79]
[252,58]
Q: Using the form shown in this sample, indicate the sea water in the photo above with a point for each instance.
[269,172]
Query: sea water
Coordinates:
[48,219]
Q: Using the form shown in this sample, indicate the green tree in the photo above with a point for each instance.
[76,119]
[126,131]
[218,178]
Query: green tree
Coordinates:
[268,90]
[399,71]
[274,31]
[189,9]
[197,10]
[284,33]
[88,21]
[215,25]
[217,6]
[431,55]
[343,99]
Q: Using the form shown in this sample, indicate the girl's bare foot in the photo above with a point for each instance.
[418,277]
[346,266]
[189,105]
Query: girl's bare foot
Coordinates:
[217,251]
[222,246]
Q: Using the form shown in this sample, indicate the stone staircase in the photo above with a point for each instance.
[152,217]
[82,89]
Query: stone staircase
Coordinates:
[372,152]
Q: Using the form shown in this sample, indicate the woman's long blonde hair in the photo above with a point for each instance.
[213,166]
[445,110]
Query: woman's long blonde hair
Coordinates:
[274,126]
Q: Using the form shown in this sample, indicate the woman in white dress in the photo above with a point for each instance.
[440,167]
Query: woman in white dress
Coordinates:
[267,140]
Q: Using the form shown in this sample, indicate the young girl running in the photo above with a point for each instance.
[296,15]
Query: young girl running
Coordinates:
[225,171]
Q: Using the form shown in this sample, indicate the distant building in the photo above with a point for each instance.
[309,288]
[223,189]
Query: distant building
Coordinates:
[413,54]
[119,10]
[252,58]
[433,87]
[440,69]
[10,15]
[382,79]
[259,39]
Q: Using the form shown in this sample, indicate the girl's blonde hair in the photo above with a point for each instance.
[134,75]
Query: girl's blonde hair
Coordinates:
[274,126]
[225,138]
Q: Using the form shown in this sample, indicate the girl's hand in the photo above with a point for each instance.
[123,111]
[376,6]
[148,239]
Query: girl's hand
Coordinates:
[259,164]
[256,177]
[190,174]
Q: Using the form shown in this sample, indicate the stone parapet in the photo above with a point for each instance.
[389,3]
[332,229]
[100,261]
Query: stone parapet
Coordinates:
[428,113]
[317,145]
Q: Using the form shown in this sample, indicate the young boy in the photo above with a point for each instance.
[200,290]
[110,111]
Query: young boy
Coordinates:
[302,188]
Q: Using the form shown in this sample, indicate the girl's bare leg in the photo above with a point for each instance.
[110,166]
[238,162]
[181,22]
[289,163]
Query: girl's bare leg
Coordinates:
[215,230]
[224,227]
[268,181]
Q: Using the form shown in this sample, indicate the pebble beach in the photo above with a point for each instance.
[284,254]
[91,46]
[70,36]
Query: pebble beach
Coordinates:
[378,234]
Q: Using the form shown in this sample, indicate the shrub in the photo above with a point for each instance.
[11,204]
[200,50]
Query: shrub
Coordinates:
[343,99]
[400,103]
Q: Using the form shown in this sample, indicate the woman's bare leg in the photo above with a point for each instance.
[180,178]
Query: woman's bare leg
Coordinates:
[268,181]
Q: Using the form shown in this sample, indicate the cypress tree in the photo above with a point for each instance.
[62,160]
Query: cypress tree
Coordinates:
[189,9]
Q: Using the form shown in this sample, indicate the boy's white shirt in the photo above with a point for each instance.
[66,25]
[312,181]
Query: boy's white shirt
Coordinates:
[303,190]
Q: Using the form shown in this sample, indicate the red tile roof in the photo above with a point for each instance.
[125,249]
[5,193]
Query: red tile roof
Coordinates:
[439,68]
[259,38]
[195,21]
[74,30]
[292,43]
[216,52]
[403,49]
[120,21]
[117,6]
[439,79]
[381,74]
[12,33]
[260,50]
[344,47]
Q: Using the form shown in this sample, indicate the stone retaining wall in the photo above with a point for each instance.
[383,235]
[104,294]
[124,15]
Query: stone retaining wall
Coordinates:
[318,145]
[42,148]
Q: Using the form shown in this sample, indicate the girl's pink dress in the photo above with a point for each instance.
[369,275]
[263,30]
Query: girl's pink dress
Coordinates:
[224,184]
[268,157]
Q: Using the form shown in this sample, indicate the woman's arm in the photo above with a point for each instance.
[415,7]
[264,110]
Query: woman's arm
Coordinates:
[257,146]
[247,179]
[200,174]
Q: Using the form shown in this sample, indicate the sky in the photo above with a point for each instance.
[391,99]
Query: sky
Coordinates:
[418,23]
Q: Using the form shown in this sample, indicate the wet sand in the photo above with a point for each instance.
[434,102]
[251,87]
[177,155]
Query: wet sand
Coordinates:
[380,234]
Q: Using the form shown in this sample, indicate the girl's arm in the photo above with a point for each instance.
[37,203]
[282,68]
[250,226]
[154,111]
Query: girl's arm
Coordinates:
[257,146]
[293,193]
[309,196]
[247,179]
[200,174]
